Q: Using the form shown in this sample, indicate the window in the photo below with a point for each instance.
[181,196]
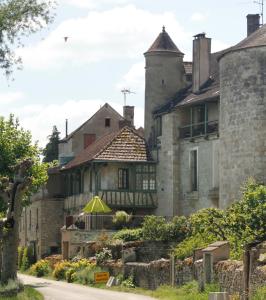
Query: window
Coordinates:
[37,218]
[107,122]
[146,177]
[30,221]
[194,169]
[123,179]
[158,126]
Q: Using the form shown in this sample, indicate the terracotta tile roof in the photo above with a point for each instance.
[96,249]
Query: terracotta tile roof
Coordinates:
[125,146]
[164,43]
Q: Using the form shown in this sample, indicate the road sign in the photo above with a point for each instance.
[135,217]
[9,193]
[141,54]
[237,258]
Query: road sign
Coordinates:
[101,277]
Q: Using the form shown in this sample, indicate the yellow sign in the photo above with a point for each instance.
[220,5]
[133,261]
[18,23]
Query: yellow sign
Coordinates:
[101,277]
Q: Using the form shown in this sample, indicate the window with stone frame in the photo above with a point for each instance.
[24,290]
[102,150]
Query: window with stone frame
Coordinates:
[194,169]
[123,179]
[146,178]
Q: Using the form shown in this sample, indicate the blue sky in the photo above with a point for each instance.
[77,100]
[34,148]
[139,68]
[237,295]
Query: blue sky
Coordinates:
[104,53]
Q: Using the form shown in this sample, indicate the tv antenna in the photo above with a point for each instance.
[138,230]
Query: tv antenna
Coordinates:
[126,92]
[261,4]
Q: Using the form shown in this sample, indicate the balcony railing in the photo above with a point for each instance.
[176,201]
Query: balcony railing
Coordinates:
[129,199]
[199,129]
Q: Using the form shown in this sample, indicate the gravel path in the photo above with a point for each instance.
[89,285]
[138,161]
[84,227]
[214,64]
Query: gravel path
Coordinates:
[57,290]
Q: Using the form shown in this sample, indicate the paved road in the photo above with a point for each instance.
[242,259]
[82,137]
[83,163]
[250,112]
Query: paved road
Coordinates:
[56,290]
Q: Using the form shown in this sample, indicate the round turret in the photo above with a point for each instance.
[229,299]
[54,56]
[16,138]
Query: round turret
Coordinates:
[164,76]
[242,115]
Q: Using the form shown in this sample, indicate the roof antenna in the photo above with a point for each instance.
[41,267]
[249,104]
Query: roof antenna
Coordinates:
[261,4]
[126,92]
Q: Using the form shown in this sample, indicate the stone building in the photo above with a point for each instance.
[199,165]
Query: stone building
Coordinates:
[205,132]
[208,136]
[41,222]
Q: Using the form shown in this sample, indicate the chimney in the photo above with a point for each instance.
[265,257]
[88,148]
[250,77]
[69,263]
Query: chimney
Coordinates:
[128,114]
[253,23]
[201,60]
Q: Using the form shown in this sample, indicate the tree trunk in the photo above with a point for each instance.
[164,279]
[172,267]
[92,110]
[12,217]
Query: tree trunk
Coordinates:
[10,245]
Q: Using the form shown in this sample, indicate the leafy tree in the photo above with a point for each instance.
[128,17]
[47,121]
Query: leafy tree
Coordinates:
[50,152]
[21,174]
[19,18]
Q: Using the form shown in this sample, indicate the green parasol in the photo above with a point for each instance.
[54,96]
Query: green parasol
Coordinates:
[96,205]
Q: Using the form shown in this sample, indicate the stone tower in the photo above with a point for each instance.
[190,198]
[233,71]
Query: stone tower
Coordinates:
[242,115]
[164,77]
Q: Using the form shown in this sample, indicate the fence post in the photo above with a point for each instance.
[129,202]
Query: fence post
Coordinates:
[208,267]
[172,270]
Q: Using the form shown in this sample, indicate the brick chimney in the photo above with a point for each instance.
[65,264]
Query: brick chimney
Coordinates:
[253,23]
[128,114]
[201,60]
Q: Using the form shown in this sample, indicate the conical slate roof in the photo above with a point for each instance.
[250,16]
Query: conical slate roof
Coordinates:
[164,43]
[256,39]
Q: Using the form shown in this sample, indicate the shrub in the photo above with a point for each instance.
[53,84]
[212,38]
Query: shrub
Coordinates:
[20,255]
[121,219]
[129,282]
[260,294]
[103,256]
[86,276]
[25,263]
[60,269]
[157,229]
[186,247]
[128,235]
[40,268]
[101,242]
[116,247]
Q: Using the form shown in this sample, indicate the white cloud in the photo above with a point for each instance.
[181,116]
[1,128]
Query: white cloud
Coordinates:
[134,79]
[40,119]
[198,17]
[119,33]
[10,97]
[218,45]
[92,4]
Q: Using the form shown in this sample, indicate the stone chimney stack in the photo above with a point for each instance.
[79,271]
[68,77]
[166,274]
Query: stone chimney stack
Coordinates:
[201,60]
[128,114]
[253,23]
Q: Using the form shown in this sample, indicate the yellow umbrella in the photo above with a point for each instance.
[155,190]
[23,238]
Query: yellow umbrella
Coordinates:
[96,205]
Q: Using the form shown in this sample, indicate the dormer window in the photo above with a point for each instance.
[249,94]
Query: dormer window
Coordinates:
[107,122]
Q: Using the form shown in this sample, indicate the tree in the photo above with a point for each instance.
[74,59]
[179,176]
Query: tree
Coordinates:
[50,152]
[19,18]
[21,174]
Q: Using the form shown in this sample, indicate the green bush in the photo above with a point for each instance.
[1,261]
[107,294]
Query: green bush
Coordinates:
[40,268]
[121,219]
[185,248]
[260,294]
[103,255]
[60,269]
[20,255]
[25,263]
[128,235]
[158,229]
[86,276]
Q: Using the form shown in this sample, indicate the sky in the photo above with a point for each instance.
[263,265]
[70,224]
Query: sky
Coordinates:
[104,54]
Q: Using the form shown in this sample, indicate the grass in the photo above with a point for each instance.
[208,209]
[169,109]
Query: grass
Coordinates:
[260,294]
[188,291]
[27,294]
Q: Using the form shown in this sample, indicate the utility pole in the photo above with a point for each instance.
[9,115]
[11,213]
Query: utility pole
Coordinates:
[126,92]
[261,4]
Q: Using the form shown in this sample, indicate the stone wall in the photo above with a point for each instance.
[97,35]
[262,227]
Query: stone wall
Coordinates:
[208,175]
[242,121]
